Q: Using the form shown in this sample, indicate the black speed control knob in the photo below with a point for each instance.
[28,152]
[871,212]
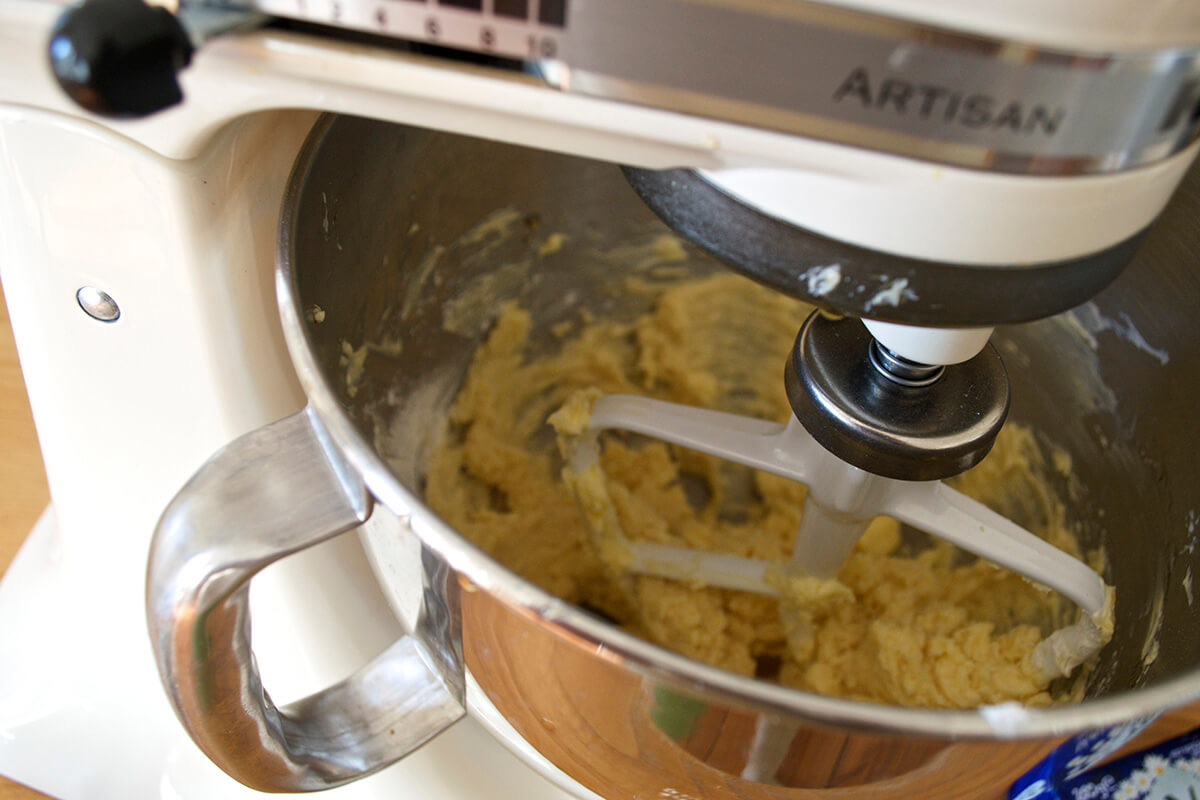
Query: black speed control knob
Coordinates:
[120,58]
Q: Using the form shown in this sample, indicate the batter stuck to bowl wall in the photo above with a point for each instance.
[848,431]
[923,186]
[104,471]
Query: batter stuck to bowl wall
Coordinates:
[908,621]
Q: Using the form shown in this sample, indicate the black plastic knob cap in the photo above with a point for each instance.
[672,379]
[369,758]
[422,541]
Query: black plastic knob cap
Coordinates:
[120,58]
[881,426]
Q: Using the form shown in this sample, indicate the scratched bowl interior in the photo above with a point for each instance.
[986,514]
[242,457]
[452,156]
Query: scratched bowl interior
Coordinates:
[380,249]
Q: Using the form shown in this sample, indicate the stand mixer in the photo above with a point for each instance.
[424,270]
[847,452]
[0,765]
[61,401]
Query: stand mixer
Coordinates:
[937,172]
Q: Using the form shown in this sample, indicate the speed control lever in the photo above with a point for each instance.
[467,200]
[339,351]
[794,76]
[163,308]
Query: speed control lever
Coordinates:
[121,58]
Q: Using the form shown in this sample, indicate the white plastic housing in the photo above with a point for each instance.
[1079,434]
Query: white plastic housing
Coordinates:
[930,345]
[953,215]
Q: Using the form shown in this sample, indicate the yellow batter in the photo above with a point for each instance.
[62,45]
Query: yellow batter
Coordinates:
[910,621]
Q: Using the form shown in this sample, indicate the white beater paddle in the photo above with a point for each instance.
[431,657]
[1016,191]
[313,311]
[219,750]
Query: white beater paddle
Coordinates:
[842,500]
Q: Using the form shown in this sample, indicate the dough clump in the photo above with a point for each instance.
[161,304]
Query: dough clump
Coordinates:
[909,621]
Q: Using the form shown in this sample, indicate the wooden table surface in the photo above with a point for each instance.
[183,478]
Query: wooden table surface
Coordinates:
[23,495]
[23,492]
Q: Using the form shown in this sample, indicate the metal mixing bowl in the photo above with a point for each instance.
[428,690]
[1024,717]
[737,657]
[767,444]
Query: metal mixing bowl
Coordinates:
[371,250]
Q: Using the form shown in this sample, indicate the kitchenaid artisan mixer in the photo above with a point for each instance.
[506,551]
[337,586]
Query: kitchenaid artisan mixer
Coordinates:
[1041,164]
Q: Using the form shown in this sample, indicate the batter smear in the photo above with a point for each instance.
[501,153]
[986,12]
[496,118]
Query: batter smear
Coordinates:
[909,621]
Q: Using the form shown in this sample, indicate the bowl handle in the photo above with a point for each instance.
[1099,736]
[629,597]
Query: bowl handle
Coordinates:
[270,493]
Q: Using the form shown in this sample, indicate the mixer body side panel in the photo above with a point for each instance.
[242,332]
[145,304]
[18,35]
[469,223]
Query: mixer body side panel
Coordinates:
[125,410]
[624,735]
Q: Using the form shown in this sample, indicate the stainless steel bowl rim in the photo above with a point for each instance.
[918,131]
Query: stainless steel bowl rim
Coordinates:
[989,722]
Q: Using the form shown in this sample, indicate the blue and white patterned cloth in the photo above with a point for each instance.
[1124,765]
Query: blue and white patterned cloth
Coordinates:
[1167,771]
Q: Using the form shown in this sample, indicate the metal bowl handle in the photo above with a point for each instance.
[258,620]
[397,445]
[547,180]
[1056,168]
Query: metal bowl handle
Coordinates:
[271,493]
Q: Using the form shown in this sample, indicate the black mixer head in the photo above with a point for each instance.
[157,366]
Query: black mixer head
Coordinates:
[797,262]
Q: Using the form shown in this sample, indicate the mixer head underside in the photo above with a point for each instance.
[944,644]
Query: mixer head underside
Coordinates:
[860,282]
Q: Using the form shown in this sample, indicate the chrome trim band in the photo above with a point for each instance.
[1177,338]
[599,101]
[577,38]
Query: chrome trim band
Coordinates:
[888,85]
[830,73]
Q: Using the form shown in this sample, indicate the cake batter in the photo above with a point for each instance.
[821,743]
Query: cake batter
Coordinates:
[910,620]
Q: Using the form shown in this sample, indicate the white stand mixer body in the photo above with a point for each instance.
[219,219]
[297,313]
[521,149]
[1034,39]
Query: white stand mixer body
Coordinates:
[175,218]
